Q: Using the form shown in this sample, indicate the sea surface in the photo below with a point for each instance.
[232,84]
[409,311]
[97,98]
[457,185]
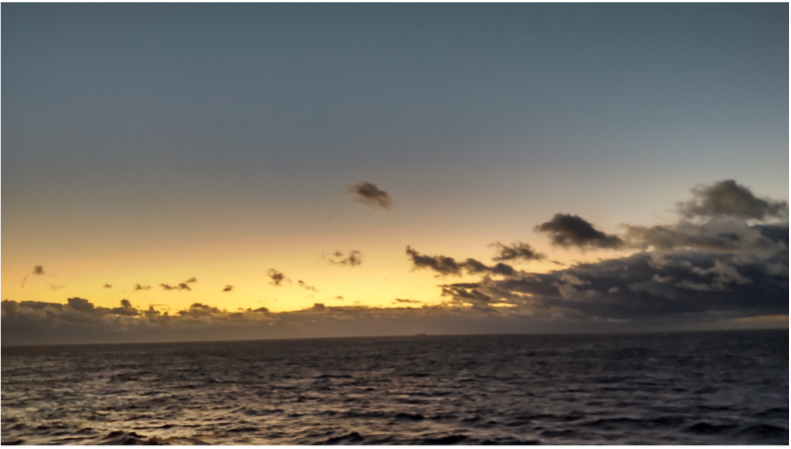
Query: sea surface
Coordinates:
[675,388]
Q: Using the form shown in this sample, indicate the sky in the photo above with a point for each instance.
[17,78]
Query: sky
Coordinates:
[202,171]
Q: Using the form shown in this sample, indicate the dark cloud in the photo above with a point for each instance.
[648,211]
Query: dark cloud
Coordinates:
[107,286]
[38,270]
[489,310]
[142,287]
[408,301]
[447,265]
[368,193]
[306,286]
[227,288]
[184,286]
[353,259]
[191,280]
[516,251]
[727,198]
[645,285]
[276,276]
[571,230]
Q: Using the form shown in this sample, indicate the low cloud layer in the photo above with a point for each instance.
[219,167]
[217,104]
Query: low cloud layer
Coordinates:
[80,321]
[448,266]
[572,231]
[368,193]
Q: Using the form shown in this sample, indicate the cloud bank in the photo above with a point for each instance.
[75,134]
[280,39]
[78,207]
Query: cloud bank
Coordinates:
[722,264]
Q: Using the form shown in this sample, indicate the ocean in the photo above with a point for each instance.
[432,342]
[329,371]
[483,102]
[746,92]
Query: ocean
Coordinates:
[674,388]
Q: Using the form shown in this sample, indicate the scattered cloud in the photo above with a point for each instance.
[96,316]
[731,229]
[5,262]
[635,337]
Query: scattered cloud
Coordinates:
[448,266]
[368,193]
[38,270]
[353,259]
[191,280]
[55,287]
[516,251]
[227,288]
[408,301]
[142,287]
[107,286]
[339,297]
[570,230]
[276,276]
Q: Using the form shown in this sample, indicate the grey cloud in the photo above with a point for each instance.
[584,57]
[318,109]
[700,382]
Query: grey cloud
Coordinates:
[715,235]
[516,251]
[570,230]
[727,198]
[447,265]
[368,193]
[227,288]
[353,259]
[38,270]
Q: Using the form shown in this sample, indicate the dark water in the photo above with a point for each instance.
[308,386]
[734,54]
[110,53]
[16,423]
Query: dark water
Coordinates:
[685,388]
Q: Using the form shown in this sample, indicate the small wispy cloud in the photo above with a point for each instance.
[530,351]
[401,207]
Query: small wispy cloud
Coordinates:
[306,286]
[352,260]
[276,277]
